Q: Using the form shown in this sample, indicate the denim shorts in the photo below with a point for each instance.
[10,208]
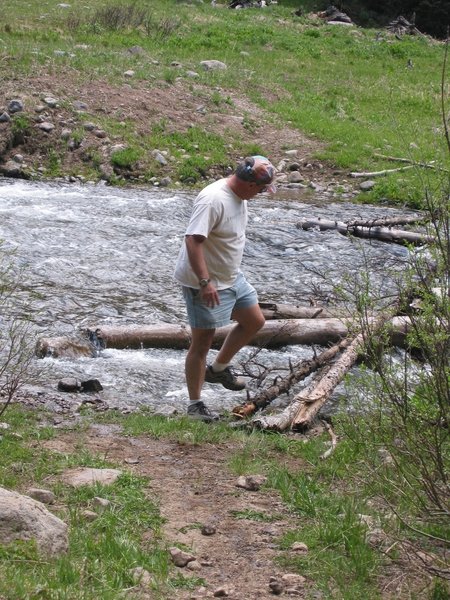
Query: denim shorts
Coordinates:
[240,295]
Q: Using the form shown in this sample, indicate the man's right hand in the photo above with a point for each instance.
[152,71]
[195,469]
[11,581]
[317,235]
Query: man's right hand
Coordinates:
[209,295]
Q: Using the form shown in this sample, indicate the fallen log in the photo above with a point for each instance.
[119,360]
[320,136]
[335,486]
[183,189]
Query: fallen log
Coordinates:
[385,234]
[306,404]
[298,372]
[273,310]
[386,221]
[282,332]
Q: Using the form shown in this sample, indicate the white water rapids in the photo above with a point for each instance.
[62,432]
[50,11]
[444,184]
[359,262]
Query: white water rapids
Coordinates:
[98,255]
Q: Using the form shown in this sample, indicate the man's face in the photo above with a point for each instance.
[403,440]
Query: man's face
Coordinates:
[254,189]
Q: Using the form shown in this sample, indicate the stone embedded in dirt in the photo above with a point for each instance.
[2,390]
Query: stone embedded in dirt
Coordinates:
[192,74]
[89,126]
[180,558]
[194,565]
[275,586]
[46,126]
[88,476]
[5,118]
[208,529]
[132,461]
[69,384]
[44,496]
[300,547]
[79,105]
[65,134]
[295,177]
[251,482]
[221,592]
[51,102]
[15,106]
[129,73]
[100,133]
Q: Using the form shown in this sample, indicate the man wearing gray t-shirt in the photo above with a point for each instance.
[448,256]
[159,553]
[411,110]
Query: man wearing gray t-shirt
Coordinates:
[214,288]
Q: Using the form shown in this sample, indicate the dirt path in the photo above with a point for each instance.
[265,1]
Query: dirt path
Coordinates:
[194,487]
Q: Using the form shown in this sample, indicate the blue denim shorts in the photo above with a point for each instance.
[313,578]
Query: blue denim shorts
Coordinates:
[240,295]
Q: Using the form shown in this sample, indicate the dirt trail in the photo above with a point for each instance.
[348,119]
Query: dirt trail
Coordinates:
[194,487]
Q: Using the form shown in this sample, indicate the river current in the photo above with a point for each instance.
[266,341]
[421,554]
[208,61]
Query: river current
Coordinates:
[95,255]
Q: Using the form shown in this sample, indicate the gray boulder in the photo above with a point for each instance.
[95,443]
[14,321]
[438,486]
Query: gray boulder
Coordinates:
[22,518]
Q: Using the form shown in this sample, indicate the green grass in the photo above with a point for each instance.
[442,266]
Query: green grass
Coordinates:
[101,553]
[350,88]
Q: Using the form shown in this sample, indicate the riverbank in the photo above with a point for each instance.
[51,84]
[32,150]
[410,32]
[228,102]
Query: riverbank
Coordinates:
[175,95]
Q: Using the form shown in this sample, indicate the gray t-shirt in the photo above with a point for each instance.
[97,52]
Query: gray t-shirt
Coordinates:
[221,217]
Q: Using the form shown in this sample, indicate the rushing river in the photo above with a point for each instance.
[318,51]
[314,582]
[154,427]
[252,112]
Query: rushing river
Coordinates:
[96,255]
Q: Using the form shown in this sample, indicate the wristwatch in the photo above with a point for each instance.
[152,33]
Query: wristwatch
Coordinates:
[204,282]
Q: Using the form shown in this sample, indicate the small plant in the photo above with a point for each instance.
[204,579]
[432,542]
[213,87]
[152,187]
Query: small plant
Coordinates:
[53,163]
[21,126]
[193,169]
[125,158]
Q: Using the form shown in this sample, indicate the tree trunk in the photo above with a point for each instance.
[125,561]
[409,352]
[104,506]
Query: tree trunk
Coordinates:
[380,233]
[282,332]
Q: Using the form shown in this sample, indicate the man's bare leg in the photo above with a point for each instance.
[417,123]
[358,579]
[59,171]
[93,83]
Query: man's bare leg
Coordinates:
[249,322]
[196,360]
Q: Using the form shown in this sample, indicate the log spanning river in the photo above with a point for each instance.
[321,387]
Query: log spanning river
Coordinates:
[95,255]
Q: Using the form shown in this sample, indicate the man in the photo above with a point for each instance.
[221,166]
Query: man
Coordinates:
[214,288]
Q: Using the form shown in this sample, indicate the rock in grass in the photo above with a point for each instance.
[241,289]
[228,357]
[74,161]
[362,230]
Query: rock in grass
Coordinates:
[23,518]
[87,476]
[44,496]
[15,106]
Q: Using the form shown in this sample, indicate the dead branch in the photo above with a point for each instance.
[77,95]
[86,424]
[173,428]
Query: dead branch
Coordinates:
[380,173]
[334,440]
[410,161]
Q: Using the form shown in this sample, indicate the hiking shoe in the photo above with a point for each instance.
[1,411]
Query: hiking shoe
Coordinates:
[226,377]
[200,411]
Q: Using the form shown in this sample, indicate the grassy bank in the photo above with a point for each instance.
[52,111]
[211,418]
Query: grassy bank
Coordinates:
[363,92]
[350,538]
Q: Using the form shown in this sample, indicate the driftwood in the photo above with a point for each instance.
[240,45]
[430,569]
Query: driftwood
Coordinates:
[385,234]
[282,386]
[386,221]
[274,334]
[273,310]
[306,404]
